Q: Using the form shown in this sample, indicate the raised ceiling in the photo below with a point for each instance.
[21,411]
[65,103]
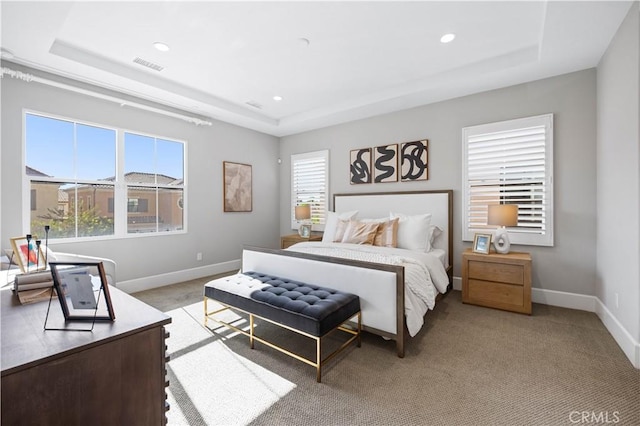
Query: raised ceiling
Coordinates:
[331,62]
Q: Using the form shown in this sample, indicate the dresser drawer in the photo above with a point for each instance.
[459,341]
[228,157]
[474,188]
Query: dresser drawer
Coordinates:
[497,272]
[496,294]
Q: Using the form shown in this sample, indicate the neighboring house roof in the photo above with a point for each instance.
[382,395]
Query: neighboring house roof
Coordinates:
[33,172]
[140,177]
[63,197]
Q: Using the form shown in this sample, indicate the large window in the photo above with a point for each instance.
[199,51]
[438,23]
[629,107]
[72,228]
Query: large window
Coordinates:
[310,185]
[510,162]
[80,187]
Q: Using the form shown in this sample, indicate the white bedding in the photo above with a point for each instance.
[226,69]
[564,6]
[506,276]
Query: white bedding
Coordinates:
[425,274]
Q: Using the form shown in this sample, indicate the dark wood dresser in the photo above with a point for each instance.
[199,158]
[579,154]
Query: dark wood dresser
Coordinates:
[113,375]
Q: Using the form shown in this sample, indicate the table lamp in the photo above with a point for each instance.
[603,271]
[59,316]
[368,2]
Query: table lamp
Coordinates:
[303,213]
[502,215]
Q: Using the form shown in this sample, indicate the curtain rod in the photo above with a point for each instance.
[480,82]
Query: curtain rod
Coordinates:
[123,102]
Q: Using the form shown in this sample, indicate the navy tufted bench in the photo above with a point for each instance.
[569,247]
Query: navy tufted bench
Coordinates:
[307,309]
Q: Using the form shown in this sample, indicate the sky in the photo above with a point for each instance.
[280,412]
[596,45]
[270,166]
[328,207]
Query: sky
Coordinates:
[50,150]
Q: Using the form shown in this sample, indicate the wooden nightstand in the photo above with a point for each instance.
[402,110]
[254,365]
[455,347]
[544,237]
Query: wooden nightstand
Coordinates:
[289,240]
[501,281]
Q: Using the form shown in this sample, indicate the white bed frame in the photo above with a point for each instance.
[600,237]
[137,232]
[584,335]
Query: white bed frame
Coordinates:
[379,286]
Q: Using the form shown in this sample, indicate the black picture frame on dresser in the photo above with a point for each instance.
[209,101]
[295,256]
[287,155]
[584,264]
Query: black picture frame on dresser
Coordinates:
[82,291]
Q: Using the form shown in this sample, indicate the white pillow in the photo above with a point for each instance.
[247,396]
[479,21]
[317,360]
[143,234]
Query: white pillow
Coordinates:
[332,222]
[434,233]
[413,231]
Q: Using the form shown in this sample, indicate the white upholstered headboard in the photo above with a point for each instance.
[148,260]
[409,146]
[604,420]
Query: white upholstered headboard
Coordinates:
[378,204]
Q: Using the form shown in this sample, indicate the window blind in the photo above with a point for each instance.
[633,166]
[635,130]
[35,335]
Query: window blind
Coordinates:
[510,163]
[310,185]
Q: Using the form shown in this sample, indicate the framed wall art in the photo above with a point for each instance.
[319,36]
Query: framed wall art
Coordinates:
[28,254]
[385,163]
[360,166]
[413,161]
[237,187]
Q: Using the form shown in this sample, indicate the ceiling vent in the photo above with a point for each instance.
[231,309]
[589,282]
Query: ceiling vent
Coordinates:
[148,64]
[254,104]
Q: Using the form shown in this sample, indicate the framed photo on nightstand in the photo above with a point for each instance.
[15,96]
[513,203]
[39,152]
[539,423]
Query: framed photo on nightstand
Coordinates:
[481,243]
[305,231]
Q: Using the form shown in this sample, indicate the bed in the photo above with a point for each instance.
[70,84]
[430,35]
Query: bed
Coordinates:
[396,286]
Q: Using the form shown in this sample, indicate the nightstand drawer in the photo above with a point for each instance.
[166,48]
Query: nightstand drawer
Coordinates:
[497,272]
[495,294]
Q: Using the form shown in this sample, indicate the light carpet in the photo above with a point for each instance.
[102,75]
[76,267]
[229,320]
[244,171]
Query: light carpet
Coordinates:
[468,366]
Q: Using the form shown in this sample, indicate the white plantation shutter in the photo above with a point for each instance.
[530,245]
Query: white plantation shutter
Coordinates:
[310,185]
[510,162]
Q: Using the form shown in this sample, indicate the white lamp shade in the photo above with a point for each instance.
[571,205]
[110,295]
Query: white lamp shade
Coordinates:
[503,215]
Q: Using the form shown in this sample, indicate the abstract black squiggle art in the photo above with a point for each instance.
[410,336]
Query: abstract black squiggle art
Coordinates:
[361,166]
[414,161]
[386,163]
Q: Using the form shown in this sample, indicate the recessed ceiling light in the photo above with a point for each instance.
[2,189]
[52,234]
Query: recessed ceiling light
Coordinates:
[447,38]
[277,98]
[161,46]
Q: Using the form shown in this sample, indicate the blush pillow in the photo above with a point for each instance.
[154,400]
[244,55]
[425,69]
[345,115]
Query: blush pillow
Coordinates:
[387,233]
[360,232]
[413,231]
[332,223]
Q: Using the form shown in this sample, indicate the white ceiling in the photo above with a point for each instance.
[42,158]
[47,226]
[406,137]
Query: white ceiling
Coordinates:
[362,59]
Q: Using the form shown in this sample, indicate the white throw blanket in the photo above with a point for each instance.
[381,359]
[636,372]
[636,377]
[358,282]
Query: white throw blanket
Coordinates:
[423,273]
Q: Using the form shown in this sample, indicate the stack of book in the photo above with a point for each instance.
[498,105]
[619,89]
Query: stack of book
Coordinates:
[33,287]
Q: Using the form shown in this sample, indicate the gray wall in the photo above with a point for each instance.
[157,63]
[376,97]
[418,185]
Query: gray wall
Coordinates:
[618,183]
[219,236]
[569,265]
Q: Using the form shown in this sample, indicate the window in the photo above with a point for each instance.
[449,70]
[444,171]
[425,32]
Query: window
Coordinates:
[82,188]
[154,170]
[310,185]
[510,162]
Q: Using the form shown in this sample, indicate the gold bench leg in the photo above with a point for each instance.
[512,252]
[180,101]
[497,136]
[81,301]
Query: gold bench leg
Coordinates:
[318,359]
[206,317]
[359,329]
[251,331]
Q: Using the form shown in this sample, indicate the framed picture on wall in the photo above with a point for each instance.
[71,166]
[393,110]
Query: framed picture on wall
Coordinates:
[385,163]
[360,166]
[237,187]
[413,161]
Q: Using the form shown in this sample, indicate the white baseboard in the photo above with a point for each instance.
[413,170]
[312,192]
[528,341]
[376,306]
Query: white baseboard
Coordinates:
[563,299]
[625,340]
[155,281]
[457,283]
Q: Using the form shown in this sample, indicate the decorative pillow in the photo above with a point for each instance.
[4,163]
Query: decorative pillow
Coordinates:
[340,228]
[434,233]
[332,222]
[413,231]
[360,232]
[387,234]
